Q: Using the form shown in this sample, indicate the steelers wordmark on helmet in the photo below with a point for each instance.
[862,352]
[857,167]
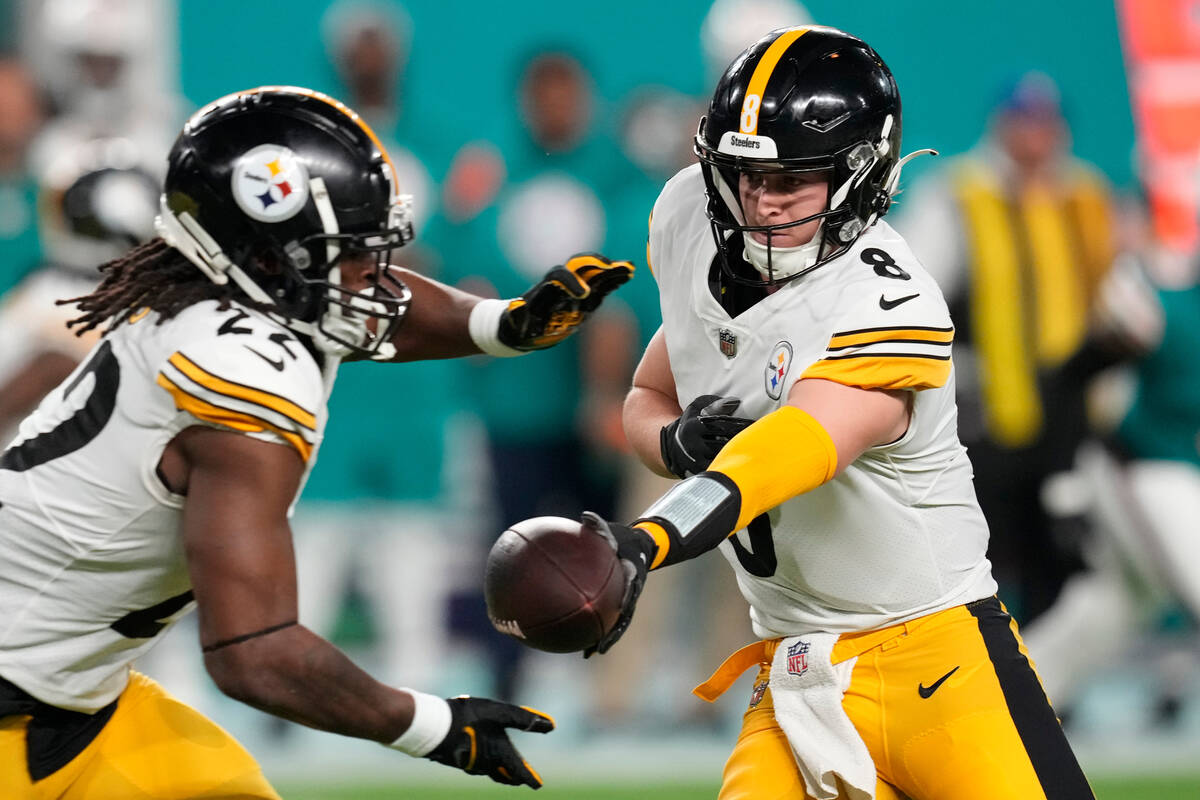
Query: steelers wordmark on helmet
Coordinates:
[270,184]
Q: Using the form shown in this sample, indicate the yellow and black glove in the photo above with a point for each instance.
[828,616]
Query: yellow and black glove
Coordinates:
[556,305]
[478,742]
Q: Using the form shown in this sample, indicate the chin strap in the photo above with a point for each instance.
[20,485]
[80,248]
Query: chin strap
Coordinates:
[188,236]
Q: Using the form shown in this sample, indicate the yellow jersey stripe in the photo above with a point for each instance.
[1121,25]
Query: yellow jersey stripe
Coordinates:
[762,73]
[883,371]
[840,341]
[280,405]
[228,418]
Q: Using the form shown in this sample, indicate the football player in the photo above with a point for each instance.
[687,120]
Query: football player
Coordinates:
[801,384]
[158,478]
[94,203]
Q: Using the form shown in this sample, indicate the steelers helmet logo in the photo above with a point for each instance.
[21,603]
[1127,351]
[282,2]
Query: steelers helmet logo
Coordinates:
[777,368]
[270,184]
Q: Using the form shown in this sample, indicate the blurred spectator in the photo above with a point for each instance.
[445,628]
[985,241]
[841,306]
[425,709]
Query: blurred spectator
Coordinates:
[1019,234]
[371,545]
[368,43]
[731,26]
[109,69]
[1146,500]
[95,202]
[19,123]
[553,427]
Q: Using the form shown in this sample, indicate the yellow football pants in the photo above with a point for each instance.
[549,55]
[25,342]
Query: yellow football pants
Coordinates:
[153,748]
[949,706]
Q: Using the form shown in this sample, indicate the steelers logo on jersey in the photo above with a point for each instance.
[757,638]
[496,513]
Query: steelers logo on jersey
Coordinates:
[777,367]
[270,184]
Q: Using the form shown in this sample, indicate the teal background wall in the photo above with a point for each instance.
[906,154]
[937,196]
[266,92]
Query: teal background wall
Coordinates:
[949,58]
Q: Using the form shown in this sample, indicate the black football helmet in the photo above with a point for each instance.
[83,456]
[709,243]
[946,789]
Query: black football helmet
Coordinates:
[271,188]
[802,99]
[95,201]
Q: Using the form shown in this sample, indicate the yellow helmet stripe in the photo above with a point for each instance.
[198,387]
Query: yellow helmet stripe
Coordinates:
[762,73]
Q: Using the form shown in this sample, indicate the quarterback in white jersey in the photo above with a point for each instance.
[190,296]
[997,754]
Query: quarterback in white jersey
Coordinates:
[898,533]
[839,492]
[160,475]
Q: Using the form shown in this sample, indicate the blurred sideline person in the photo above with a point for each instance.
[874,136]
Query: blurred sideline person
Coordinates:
[22,118]
[95,203]
[108,68]
[160,478]
[729,24]
[1146,499]
[373,517]
[368,43]
[550,446]
[1019,236]
[794,314]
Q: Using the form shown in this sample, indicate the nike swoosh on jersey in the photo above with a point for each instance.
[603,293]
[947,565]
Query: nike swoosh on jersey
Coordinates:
[888,305]
[927,691]
[278,365]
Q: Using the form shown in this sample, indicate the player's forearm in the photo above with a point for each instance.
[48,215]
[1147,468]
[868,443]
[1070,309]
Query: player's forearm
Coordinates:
[645,412]
[436,323]
[297,675]
[784,454]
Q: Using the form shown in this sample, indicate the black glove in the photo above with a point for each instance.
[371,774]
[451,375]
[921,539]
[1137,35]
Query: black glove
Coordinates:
[690,443]
[636,550]
[553,309]
[478,744]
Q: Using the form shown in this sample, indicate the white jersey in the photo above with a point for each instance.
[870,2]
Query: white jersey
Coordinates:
[899,533]
[93,569]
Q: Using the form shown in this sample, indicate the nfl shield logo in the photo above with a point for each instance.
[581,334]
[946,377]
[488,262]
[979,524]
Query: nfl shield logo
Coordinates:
[797,658]
[728,342]
[756,696]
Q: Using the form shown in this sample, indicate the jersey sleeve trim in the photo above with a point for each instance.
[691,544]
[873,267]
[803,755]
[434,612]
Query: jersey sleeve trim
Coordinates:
[887,357]
[278,408]
[883,370]
[229,418]
[909,334]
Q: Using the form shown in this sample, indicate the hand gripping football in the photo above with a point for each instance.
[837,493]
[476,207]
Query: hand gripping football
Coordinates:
[552,585]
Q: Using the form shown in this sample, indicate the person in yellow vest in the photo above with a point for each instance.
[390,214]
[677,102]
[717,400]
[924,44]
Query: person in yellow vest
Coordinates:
[1019,235]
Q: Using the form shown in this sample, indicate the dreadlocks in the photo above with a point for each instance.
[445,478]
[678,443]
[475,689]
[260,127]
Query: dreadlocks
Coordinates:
[153,275]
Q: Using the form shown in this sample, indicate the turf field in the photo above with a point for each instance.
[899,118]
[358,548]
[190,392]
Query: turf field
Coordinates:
[1139,788]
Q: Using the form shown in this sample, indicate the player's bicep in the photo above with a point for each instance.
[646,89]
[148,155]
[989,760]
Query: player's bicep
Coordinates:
[855,419]
[235,531]
[654,370]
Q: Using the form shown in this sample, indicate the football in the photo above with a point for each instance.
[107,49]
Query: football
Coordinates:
[552,585]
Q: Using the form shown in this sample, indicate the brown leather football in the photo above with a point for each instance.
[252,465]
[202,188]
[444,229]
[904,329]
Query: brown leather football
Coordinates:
[552,585]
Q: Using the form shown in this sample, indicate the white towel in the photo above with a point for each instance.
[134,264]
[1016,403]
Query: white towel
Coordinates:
[807,689]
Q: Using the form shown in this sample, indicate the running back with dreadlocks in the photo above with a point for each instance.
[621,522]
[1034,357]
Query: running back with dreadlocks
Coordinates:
[153,275]
[173,453]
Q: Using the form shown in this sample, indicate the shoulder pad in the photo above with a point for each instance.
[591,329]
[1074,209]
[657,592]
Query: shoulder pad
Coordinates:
[894,329]
[679,203]
[247,374]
